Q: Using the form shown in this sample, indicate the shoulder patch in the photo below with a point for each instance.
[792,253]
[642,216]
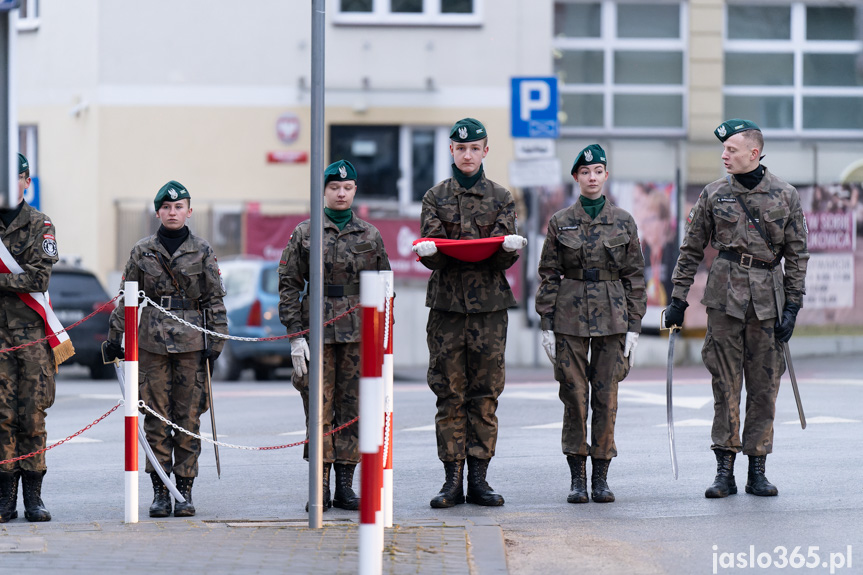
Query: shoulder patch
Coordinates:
[47,222]
[49,245]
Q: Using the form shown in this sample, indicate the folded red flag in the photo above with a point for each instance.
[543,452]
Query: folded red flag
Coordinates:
[466,250]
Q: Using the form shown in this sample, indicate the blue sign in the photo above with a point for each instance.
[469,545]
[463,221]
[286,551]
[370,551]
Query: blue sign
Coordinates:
[31,194]
[6,5]
[534,108]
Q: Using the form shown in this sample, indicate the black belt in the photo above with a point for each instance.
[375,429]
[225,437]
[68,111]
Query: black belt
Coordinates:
[592,275]
[173,302]
[748,261]
[341,291]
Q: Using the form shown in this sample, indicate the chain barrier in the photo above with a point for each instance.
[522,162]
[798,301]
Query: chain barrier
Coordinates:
[62,441]
[67,328]
[166,421]
[148,301]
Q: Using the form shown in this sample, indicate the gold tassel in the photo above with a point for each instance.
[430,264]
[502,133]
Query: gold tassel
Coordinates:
[63,352]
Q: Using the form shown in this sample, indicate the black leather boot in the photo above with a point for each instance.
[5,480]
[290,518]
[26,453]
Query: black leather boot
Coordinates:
[345,498]
[452,492]
[578,487]
[184,508]
[9,495]
[478,491]
[756,482]
[161,506]
[31,484]
[724,484]
[326,501]
[599,490]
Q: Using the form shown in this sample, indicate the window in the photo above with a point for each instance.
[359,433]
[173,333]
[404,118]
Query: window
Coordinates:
[621,66]
[793,68]
[28,15]
[395,164]
[411,12]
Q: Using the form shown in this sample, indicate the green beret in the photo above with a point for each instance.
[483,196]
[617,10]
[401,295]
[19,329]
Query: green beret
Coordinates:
[467,130]
[341,171]
[593,154]
[171,192]
[730,127]
[23,164]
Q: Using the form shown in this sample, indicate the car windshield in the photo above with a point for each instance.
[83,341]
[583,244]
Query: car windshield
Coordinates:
[239,279]
[74,285]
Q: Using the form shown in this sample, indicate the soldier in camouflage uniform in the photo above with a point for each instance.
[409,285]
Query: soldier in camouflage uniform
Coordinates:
[179,271]
[467,321]
[26,375]
[744,287]
[350,246]
[591,298]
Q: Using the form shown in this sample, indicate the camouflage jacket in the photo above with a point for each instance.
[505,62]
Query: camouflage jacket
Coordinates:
[719,219]
[197,274]
[450,211]
[591,308]
[358,247]
[30,239]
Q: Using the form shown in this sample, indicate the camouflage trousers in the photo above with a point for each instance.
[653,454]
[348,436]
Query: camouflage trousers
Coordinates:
[341,387]
[466,373]
[174,385]
[26,391]
[735,351]
[596,382]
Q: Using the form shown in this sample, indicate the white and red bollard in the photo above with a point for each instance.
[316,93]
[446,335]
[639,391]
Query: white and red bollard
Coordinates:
[371,531]
[389,295]
[131,406]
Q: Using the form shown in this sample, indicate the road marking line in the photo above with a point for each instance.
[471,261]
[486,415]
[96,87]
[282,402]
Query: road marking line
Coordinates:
[76,440]
[689,423]
[821,419]
[422,428]
[300,432]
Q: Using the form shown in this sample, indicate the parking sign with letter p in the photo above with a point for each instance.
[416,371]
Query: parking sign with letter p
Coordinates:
[534,108]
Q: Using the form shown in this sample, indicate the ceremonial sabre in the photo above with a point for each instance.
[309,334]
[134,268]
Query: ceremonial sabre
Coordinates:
[777,291]
[212,404]
[672,336]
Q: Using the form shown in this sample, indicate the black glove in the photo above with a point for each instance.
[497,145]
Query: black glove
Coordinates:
[785,326]
[112,352]
[210,355]
[674,312]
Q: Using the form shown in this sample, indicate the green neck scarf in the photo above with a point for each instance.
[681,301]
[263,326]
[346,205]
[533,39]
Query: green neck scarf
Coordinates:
[592,207]
[339,217]
[467,182]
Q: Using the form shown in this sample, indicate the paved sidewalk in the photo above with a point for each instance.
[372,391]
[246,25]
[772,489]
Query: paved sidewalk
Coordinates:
[240,546]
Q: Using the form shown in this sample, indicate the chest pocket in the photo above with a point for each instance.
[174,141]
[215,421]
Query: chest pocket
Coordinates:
[726,225]
[450,218]
[570,254]
[150,266]
[616,249]
[774,222]
[20,244]
[364,255]
[191,277]
[485,224]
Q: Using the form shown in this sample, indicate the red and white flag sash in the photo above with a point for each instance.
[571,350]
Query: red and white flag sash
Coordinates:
[41,304]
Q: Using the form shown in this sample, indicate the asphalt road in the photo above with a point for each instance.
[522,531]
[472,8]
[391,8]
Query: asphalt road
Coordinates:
[657,525]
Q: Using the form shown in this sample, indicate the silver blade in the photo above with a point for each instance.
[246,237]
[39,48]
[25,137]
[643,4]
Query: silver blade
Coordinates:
[671,337]
[142,440]
[794,384]
[213,419]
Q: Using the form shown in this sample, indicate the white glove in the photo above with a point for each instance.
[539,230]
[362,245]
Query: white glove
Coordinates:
[629,346]
[548,342]
[300,355]
[425,249]
[513,242]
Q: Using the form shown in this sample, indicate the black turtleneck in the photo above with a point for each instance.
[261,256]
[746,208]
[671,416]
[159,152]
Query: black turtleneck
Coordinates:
[7,215]
[172,239]
[750,179]
[467,182]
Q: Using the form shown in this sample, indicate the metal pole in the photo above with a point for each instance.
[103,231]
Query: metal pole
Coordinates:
[316,271]
[131,399]
[9,148]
